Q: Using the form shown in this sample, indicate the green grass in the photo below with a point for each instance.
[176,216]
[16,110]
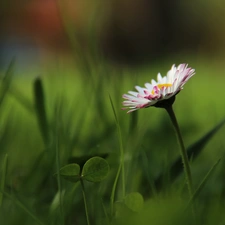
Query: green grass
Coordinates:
[80,124]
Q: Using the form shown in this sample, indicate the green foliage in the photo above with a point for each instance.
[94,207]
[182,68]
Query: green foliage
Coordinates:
[95,169]
[134,201]
[70,172]
[73,118]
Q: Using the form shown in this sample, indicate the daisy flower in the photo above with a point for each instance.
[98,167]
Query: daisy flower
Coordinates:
[160,92]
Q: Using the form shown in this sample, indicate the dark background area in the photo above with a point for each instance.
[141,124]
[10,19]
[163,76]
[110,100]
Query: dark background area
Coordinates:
[129,32]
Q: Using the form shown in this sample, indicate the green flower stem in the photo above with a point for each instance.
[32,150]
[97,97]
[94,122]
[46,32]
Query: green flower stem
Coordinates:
[183,151]
[85,201]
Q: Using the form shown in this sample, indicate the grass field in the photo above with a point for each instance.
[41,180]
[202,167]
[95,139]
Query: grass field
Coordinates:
[64,116]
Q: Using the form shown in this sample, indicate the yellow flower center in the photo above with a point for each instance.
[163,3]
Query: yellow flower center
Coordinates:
[160,86]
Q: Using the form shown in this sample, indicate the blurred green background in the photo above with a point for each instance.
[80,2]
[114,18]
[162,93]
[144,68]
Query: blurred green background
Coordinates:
[80,52]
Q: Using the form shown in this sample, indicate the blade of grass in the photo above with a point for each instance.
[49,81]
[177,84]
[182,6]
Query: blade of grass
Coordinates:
[196,148]
[39,99]
[112,197]
[85,201]
[3,177]
[205,179]
[121,166]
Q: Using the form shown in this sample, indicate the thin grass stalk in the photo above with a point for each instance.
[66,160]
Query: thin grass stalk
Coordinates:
[85,201]
[121,166]
[203,182]
[112,197]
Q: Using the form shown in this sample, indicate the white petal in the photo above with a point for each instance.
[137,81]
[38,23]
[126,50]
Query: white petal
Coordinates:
[159,77]
[148,86]
[134,93]
[140,89]
[154,83]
